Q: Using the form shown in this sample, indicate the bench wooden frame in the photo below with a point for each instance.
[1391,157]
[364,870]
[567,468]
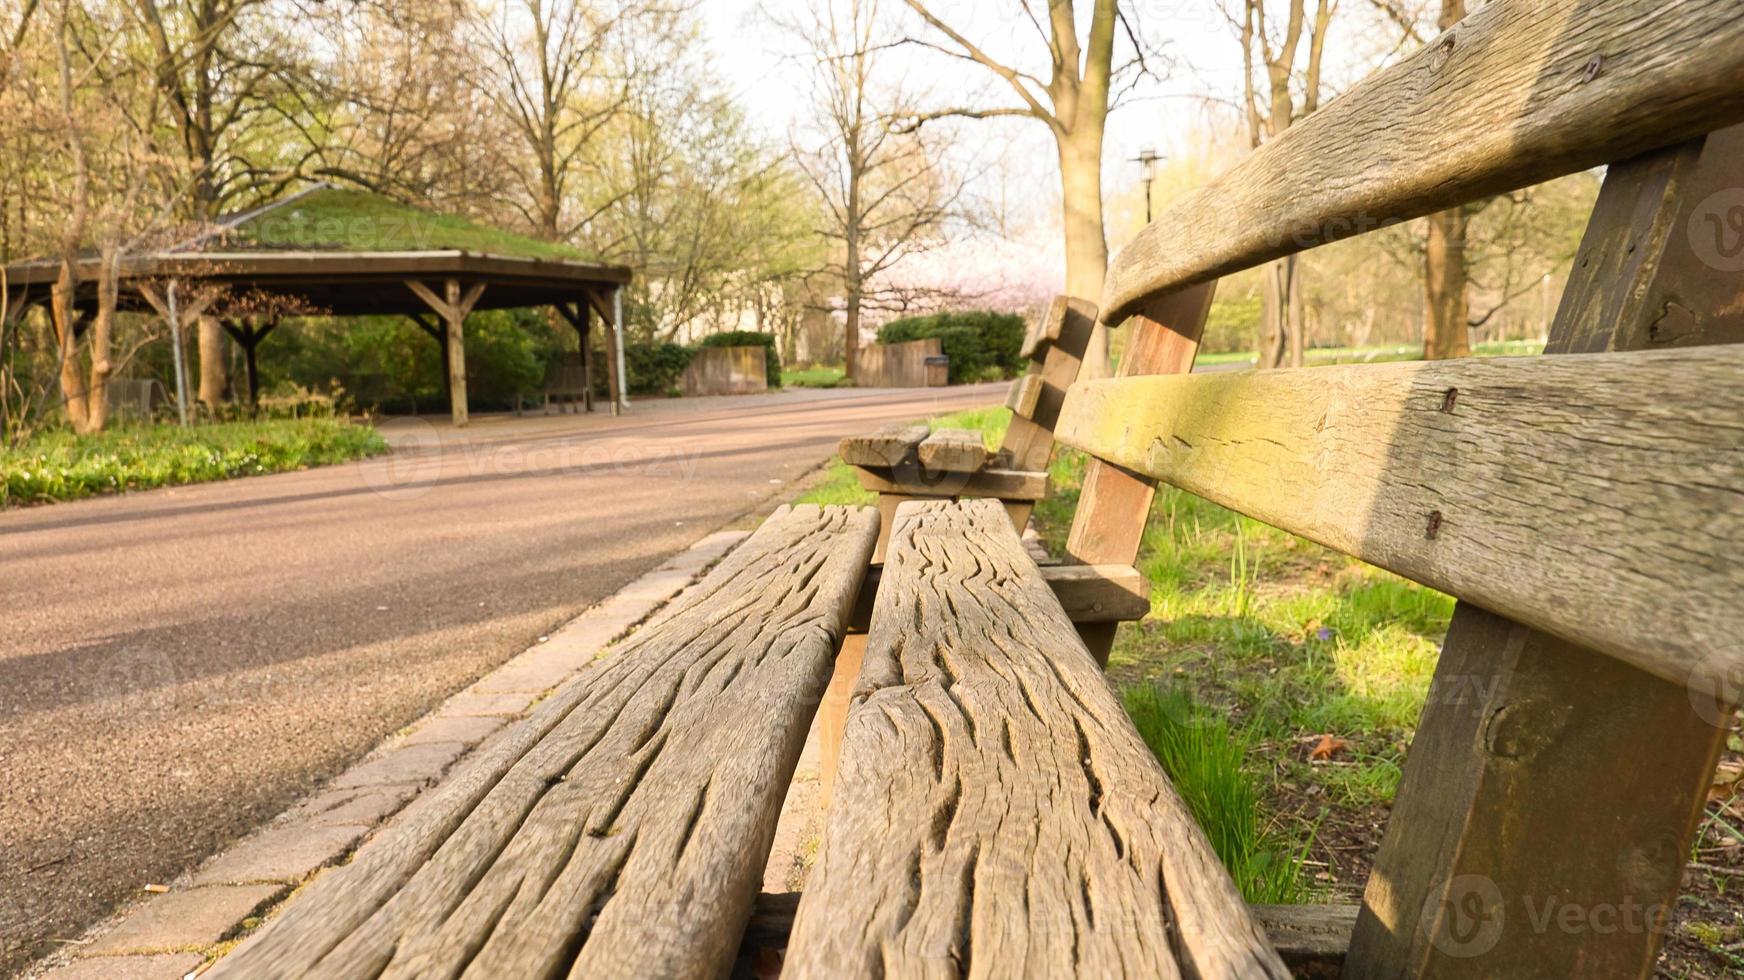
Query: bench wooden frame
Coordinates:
[997,812]
[906,462]
[1592,545]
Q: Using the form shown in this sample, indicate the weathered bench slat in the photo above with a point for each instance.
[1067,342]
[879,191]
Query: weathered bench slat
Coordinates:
[1045,330]
[1024,394]
[996,813]
[1515,94]
[953,451]
[1599,497]
[889,446]
[1002,484]
[641,797]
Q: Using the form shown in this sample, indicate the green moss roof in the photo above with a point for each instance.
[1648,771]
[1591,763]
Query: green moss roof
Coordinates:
[332,219]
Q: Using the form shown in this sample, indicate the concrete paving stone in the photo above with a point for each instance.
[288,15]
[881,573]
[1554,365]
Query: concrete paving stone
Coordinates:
[477,703]
[407,764]
[469,729]
[286,853]
[526,674]
[157,966]
[368,805]
[182,919]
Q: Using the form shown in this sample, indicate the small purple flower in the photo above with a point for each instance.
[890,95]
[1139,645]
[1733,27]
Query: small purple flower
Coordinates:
[1323,633]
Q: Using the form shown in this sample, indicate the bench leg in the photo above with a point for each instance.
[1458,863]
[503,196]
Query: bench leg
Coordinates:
[887,504]
[1545,815]
[833,711]
[1550,795]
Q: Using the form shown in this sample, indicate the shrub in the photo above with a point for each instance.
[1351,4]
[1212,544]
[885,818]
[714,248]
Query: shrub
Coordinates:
[651,367]
[978,342]
[751,338]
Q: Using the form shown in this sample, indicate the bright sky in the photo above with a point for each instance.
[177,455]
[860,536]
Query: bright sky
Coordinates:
[1177,116]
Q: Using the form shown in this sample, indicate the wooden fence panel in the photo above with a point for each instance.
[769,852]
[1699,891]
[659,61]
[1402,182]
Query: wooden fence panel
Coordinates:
[726,371]
[901,365]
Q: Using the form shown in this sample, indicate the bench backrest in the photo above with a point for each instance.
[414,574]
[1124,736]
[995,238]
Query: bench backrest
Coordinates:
[1586,510]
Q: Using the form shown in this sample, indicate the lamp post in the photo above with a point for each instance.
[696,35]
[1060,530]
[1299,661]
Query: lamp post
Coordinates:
[1147,159]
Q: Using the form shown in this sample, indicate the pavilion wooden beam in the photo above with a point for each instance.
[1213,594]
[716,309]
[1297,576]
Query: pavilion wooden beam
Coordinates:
[452,306]
[248,336]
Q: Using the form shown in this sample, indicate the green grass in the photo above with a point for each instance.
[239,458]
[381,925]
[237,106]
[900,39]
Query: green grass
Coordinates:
[1208,763]
[333,219]
[61,466]
[1375,354]
[811,377]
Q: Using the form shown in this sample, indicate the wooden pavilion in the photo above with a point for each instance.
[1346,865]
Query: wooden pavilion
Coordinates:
[332,252]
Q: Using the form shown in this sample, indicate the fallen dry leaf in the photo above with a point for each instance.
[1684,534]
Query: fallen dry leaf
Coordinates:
[1326,748]
[1728,777]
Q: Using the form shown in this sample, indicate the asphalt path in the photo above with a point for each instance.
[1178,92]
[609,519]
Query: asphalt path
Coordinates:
[178,666]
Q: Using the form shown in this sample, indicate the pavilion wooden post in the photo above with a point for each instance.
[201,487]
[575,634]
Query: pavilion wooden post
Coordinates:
[452,307]
[248,336]
[1470,880]
[581,318]
[614,356]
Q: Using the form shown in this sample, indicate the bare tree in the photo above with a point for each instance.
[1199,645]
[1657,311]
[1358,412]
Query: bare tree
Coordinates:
[884,185]
[1269,113]
[377,117]
[94,103]
[223,71]
[549,71]
[1082,85]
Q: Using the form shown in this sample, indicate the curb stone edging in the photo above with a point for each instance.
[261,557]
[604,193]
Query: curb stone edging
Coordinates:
[180,933]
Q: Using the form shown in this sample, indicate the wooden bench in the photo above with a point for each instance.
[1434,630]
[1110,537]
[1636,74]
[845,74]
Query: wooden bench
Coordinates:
[907,462]
[997,813]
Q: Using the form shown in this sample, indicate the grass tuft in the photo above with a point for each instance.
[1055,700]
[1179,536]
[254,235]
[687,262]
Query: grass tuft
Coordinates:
[1207,762]
[59,466]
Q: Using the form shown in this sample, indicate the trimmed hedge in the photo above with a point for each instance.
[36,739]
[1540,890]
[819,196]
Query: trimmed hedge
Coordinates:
[978,342]
[751,338]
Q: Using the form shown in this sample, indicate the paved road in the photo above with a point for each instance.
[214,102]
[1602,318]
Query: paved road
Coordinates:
[177,666]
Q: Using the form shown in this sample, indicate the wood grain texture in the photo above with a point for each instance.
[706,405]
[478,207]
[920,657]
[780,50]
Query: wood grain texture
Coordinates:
[1599,497]
[892,445]
[642,796]
[1515,94]
[996,813]
[953,451]
[1003,484]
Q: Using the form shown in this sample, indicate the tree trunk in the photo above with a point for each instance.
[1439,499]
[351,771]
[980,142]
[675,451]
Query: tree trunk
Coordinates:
[213,376]
[1297,321]
[66,318]
[102,330]
[1080,152]
[1445,330]
[852,284]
